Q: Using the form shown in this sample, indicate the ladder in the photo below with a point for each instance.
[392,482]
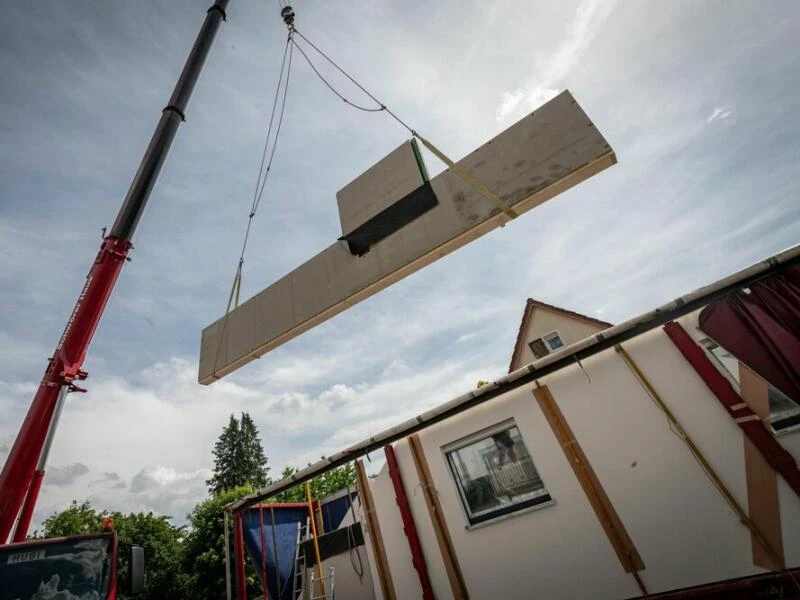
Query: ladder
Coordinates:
[328,594]
[299,577]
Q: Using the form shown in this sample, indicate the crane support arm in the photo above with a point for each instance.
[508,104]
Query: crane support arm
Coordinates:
[65,366]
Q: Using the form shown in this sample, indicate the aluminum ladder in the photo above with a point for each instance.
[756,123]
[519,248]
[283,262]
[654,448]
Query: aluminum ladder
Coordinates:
[299,577]
[328,581]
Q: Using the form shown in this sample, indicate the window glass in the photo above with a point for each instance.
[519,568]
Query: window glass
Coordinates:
[495,475]
[58,570]
[554,341]
[784,412]
[538,348]
[726,360]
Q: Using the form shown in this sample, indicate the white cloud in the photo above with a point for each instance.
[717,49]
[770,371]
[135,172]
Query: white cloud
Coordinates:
[719,113]
[160,477]
[553,69]
[63,476]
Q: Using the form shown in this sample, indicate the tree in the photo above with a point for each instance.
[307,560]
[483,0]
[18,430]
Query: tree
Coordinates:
[160,539]
[334,480]
[238,457]
[255,463]
[77,519]
[204,547]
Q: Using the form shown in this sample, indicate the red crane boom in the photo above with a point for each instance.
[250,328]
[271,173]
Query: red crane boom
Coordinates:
[23,471]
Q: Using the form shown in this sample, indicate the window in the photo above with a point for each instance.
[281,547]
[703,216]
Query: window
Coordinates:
[553,341]
[538,348]
[783,411]
[494,474]
[546,344]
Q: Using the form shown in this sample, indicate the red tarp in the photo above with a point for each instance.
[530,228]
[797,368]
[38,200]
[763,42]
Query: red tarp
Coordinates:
[762,328]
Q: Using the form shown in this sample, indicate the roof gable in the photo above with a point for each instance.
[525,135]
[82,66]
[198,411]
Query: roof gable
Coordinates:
[530,306]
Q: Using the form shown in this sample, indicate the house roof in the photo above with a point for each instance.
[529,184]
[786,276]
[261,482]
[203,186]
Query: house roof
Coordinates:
[530,305]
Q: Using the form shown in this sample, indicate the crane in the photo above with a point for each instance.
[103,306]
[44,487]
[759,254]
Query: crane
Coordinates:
[24,469]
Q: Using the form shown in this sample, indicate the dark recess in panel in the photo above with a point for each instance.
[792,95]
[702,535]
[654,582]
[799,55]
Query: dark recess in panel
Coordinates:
[391,219]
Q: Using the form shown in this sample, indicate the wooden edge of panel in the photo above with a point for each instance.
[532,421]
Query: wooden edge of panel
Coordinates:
[763,506]
[568,181]
[381,562]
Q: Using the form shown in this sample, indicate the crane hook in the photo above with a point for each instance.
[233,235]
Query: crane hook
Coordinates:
[287,13]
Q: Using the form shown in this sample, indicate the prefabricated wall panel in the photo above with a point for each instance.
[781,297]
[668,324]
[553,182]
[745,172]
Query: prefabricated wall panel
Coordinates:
[683,529]
[542,155]
[389,180]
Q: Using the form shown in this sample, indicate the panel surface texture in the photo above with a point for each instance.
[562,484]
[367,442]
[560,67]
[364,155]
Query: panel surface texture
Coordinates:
[384,183]
[542,155]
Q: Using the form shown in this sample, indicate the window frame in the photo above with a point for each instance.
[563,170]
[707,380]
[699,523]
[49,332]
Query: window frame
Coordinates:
[542,499]
[546,342]
[709,345]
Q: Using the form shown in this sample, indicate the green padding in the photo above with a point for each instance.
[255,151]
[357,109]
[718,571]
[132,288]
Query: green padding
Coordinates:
[420,163]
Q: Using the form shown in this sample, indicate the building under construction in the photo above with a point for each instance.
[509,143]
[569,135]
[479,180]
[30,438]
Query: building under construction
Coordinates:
[656,458]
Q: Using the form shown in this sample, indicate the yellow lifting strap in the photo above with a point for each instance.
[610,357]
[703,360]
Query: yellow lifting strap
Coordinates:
[475,183]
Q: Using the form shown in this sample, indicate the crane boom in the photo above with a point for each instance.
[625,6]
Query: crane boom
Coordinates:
[20,479]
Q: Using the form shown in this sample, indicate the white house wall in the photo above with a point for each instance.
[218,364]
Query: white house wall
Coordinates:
[346,580]
[684,531]
[398,555]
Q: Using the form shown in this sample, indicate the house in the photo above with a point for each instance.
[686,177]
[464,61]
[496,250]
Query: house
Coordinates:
[621,476]
[650,459]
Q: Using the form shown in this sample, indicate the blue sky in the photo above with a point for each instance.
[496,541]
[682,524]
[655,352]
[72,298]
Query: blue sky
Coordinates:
[698,100]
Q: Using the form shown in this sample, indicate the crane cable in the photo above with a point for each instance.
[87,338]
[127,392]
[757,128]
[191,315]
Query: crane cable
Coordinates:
[464,175]
[281,90]
[287,14]
[266,164]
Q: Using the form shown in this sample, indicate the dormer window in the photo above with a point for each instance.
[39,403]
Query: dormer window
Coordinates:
[546,344]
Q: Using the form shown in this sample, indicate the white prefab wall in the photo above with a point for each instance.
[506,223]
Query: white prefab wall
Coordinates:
[684,531]
[347,582]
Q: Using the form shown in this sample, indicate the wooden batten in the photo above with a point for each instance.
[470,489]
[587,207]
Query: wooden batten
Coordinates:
[606,514]
[368,504]
[762,483]
[454,574]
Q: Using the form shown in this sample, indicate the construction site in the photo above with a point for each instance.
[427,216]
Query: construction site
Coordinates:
[652,457]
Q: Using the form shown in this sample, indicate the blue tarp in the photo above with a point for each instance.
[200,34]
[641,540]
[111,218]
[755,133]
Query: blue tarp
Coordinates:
[334,512]
[280,567]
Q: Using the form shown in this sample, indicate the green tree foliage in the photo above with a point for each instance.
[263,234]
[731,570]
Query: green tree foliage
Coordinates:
[254,460]
[160,539]
[238,457]
[77,519]
[189,562]
[204,547]
[322,485]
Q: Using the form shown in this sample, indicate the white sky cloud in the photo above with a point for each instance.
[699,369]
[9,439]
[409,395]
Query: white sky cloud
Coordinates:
[62,476]
[553,69]
[719,113]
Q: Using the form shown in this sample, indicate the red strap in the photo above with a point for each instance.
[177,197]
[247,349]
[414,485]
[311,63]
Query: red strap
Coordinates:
[775,454]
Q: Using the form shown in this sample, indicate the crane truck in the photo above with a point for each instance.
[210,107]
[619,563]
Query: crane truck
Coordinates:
[84,567]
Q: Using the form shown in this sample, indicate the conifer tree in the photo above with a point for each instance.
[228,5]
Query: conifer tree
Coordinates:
[238,457]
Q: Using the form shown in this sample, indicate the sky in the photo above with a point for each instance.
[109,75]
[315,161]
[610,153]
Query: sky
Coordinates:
[697,99]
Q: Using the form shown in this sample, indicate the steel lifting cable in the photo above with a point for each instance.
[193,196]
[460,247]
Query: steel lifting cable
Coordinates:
[266,164]
[464,175]
[288,16]
[261,180]
[351,541]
